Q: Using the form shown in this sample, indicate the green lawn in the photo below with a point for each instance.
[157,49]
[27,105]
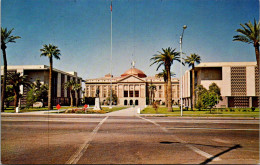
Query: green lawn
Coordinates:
[104,109]
[234,112]
[11,109]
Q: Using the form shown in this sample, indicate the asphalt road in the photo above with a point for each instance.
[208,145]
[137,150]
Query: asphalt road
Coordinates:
[82,139]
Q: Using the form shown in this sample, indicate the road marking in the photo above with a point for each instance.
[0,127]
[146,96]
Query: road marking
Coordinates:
[223,129]
[78,154]
[202,153]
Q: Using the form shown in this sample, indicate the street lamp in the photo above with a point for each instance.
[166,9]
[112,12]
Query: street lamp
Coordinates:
[184,27]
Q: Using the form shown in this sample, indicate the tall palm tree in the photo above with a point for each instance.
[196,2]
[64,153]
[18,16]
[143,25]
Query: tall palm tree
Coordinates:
[250,35]
[191,60]
[69,85]
[6,37]
[16,80]
[152,88]
[76,87]
[163,74]
[50,51]
[166,59]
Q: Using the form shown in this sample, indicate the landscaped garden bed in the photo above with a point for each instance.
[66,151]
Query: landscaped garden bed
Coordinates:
[216,112]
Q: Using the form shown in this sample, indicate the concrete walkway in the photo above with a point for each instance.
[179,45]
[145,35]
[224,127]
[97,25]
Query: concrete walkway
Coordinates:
[132,111]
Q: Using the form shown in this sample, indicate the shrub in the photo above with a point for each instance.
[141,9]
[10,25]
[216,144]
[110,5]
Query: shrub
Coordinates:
[155,107]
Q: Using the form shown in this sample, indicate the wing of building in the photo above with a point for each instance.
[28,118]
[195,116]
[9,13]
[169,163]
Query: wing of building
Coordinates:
[131,88]
[41,72]
[238,82]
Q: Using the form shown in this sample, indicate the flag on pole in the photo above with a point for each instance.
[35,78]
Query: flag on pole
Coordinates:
[111,6]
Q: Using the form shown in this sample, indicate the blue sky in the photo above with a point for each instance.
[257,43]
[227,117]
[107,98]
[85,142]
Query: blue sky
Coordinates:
[81,30]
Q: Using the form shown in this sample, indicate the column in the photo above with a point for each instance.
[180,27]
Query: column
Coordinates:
[59,85]
[65,90]
[134,90]
[128,90]
[250,101]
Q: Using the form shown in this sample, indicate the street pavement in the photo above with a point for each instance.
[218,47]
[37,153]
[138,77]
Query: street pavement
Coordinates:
[124,137]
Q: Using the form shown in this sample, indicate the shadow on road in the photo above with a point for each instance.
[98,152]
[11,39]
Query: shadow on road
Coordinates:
[168,142]
[213,157]
[221,153]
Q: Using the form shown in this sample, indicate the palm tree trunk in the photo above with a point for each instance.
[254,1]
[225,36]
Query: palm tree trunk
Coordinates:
[169,88]
[257,54]
[76,93]
[16,98]
[71,99]
[4,78]
[165,94]
[193,89]
[50,86]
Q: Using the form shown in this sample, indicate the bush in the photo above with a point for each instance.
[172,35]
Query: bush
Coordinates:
[155,107]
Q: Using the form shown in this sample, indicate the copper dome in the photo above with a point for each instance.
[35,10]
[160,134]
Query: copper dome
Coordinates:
[134,71]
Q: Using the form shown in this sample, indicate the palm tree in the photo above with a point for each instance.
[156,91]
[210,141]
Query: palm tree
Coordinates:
[250,35]
[76,87]
[69,85]
[6,37]
[165,78]
[166,59]
[16,80]
[50,51]
[191,60]
[152,88]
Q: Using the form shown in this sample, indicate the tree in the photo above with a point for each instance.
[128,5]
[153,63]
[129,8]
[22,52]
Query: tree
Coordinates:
[16,80]
[50,51]
[166,59]
[165,78]
[191,60]
[9,95]
[38,92]
[76,87]
[6,37]
[209,99]
[200,90]
[250,35]
[69,85]
[152,88]
[30,98]
[215,89]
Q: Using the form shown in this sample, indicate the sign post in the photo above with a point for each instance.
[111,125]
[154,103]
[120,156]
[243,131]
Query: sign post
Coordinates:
[86,106]
[58,107]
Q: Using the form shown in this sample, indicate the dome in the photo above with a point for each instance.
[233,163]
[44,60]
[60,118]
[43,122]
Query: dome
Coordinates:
[134,71]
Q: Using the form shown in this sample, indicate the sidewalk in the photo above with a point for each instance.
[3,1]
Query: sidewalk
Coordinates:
[132,111]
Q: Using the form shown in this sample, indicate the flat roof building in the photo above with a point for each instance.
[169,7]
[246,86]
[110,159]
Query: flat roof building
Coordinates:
[41,72]
[238,82]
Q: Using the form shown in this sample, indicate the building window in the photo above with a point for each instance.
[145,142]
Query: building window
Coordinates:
[131,93]
[136,93]
[160,87]
[125,93]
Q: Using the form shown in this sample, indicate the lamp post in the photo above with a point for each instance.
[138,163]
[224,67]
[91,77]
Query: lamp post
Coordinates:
[184,27]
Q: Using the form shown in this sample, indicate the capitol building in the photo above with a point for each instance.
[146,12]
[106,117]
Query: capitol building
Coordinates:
[131,88]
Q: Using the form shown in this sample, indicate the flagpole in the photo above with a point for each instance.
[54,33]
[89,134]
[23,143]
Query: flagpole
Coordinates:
[111,58]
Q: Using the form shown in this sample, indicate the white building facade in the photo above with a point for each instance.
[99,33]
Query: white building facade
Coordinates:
[41,72]
[238,82]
